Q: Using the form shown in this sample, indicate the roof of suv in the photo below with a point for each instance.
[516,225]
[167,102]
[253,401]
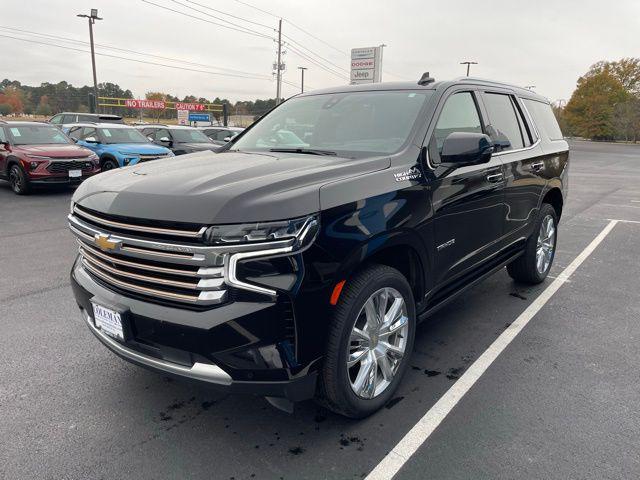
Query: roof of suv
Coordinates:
[23,122]
[162,125]
[101,115]
[97,125]
[429,86]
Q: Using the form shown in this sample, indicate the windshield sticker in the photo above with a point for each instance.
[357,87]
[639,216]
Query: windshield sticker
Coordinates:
[412,174]
[15,132]
[106,132]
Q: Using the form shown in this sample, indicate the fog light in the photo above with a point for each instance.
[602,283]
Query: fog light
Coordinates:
[34,165]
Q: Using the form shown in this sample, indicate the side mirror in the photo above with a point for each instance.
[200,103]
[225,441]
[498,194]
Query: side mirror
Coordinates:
[227,139]
[464,148]
[165,140]
[6,146]
[91,140]
[150,139]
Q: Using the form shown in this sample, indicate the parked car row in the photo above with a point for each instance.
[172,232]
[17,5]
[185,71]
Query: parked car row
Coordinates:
[38,153]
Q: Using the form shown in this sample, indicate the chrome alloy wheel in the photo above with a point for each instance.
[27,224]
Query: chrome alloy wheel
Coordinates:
[377,343]
[546,244]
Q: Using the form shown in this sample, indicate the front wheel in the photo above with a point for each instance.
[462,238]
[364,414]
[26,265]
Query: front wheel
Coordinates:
[109,165]
[534,265]
[370,341]
[18,180]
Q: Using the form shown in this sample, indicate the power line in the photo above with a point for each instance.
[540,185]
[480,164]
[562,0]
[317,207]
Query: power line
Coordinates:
[111,47]
[230,15]
[248,32]
[315,62]
[136,60]
[313,53]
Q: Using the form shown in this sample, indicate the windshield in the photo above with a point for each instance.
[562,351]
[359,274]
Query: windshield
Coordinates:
[189,136]
[355,124]
[122,135]
[37,135]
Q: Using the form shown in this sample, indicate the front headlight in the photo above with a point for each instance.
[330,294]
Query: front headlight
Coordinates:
[300,230]
[93,158]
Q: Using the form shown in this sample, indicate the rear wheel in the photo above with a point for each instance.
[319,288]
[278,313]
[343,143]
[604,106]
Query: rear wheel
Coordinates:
[370,341]
[109,165]
[534,265]
[18,180]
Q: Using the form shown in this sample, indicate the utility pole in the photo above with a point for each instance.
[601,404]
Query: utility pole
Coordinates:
[302,69]
[92,19]
[279,64]
[468,64]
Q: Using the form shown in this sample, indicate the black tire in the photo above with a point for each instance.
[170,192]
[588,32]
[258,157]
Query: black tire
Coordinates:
[109,164]
[18,180]
[335,391]
[525,269]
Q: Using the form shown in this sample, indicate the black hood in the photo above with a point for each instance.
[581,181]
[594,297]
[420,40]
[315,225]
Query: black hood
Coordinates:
[230,187]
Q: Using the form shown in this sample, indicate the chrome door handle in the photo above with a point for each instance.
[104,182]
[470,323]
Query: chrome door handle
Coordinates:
[536,167]
[495,178]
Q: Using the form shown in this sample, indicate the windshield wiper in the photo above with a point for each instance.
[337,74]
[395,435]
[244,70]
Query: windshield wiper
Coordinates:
[308,151]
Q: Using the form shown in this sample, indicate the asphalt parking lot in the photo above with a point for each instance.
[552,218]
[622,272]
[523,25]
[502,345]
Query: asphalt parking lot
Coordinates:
[561,401]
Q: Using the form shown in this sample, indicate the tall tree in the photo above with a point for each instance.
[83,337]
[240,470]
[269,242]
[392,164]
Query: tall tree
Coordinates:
[590,110]
[626,70]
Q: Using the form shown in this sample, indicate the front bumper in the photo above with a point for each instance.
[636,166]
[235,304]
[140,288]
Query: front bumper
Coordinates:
[237,347]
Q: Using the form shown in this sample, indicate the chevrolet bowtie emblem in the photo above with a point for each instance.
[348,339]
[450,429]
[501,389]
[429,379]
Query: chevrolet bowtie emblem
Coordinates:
[105,243]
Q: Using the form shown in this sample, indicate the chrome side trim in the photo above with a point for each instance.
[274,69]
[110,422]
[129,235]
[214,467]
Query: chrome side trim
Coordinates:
[138,228]
[199,371]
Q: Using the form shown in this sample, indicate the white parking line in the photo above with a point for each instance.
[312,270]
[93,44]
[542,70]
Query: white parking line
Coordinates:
[402,452]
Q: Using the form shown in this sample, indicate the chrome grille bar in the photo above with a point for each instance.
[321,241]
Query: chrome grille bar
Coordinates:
[109,223]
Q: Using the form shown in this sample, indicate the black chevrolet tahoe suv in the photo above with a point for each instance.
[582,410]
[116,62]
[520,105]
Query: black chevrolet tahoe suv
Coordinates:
[298,262]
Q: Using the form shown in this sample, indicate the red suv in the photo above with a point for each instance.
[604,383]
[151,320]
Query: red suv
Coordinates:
[39,153]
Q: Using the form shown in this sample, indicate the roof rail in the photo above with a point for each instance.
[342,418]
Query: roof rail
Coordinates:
[487,82]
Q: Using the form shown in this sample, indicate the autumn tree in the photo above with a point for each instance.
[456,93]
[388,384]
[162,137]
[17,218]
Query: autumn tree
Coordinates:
[626,70]
[12,96]
[590,110]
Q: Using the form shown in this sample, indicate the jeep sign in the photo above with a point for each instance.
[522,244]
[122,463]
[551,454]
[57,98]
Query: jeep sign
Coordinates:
[366,65]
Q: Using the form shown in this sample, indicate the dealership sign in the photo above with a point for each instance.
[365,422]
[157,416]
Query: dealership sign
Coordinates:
[149,104]
[366,65]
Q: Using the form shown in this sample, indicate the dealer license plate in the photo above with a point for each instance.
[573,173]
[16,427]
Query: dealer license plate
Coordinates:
[108,321]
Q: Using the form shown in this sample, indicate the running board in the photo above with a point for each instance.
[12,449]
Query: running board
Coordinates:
[441,302]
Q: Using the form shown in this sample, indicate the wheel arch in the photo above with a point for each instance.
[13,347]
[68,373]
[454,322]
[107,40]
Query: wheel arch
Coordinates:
[554,197]
[401,250]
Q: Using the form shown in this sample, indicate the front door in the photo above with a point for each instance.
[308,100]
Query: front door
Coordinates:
[468,202]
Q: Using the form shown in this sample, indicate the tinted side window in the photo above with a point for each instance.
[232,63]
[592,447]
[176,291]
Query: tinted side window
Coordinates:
[57,119]
[75,133]
[544,118]
[90,132]
[162,133]
[69,119]
[3,136]
[222,134]
[503,119]
[459,114]
[86,118]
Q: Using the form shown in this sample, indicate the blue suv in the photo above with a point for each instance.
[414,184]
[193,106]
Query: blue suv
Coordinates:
[116,145]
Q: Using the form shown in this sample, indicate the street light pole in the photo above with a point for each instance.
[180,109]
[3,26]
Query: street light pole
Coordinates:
[92,19]
[468,64]
[302,69]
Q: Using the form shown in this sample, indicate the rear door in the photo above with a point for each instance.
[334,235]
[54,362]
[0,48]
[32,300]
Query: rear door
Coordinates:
[468,202]
[509,126]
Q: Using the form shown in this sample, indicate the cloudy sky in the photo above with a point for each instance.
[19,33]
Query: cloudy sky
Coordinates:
[546,43]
